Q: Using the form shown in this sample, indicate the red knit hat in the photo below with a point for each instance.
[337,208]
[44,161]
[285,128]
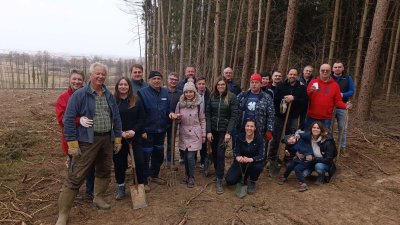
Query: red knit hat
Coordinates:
[256,76]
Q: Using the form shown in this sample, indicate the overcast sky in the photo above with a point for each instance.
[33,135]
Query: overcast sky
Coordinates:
[76,27]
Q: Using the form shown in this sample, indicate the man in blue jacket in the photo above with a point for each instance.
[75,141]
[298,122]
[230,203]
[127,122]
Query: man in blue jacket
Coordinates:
[346,85]
[138,83]
[90,145]
[157,107]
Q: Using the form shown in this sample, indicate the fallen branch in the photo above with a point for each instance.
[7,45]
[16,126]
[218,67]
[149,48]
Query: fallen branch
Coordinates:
[341,164]
[17,211]
[12,190]
[241,219]
[197,195]
[184,220]
[41,209]
[379,167]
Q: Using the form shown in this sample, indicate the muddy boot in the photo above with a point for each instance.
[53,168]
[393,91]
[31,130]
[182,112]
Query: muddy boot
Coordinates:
[121,192]
[320,179]
[100,188]
[219,187]
[67,197]
[251,189]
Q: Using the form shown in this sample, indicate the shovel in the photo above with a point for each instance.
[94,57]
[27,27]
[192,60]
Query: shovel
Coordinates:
[137,190]
[241,189]
[208,160]
[275,166]
[172,176]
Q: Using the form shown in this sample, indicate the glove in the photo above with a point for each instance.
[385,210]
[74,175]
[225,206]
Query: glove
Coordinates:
[73,149]
[85,122]
[268,135]
[117,145]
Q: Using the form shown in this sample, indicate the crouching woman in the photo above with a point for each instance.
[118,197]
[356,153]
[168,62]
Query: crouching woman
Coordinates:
[249,157]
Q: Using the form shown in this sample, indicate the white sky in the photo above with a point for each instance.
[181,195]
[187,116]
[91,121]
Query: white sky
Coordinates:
[76,27]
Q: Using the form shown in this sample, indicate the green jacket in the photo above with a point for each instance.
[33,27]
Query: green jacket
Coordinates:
[220,115]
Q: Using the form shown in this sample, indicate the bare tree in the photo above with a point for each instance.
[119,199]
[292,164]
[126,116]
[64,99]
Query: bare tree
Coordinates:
[360,43]
[191,32]
[258,36]
[288,38]
[200,35]
[391,47]
[227,18]
[393,63]
[371,60]
[215,69]
[182,45]
[237,35]
[333,35]
[246,57]
[264,50]
[205,55]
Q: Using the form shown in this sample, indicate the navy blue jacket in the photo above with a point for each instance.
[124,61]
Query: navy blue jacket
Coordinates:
[254,149]
[83,103]
[156,105]
[346,85]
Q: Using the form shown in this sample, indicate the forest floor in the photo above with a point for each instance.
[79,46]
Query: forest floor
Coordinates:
[32,170]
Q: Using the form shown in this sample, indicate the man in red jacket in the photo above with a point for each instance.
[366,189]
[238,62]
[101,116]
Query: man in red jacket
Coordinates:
[323,95]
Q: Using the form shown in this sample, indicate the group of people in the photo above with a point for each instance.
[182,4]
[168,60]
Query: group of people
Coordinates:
[99,127]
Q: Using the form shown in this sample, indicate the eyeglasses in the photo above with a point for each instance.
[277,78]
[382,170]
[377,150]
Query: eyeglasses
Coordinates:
[173,79]
[325,71]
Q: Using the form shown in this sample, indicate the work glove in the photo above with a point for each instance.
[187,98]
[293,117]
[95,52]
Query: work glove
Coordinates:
[117,145]
[85,122]
[73,149]
[268,135]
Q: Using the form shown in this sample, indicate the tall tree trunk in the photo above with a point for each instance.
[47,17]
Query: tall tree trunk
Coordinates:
[360,44]
[393,64]
[258,36]
[288,38]
[146,41]
[191,32]
[205,56]
[324,41]
[228,15]
[158,53]
[199,37]
[216,68]
[390,50]
[182,45]
[164,42]
[264,50]
[154,44]
[333,35]
[237,34]
[371,60]
[246,57]
[167,37]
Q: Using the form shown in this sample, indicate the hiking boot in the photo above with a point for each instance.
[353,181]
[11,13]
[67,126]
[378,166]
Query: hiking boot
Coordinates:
[215,179]
[185,180]
[89,195]
[190,182]
[100,188]
[158,181]
[219,186]
[121,192]
[202,166]
[78,196]
[147,188]
[181,161]
[320,179]
[251,188]
[282,180]
[303,187]
[65,202]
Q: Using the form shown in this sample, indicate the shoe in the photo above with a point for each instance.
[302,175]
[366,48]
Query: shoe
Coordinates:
[282,180]
[303,187]
[320,179]
[190,182]
[202,166]
[185,180]
[147,188]
[158,181]
[121,192]
[65,202]
[251,188]
[215,179]
[78,197]
[89,195]
[100,188]
[219,186]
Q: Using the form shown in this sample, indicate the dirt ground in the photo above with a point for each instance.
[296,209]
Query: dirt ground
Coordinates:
[32,170]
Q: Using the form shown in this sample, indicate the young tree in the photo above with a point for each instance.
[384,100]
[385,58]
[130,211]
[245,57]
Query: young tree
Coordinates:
[371,60]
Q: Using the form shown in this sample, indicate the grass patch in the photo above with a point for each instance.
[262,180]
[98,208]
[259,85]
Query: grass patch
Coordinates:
[15,144]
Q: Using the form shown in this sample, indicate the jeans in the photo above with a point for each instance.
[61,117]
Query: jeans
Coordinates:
[234,174]
[299,166]
[218,152]
[278,127]
[320,168]
[190,162]
[340,117]
[169,137]
[153,149]
[327,123]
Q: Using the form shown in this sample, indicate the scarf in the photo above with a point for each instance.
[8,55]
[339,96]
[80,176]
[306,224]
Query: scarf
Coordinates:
[315,146]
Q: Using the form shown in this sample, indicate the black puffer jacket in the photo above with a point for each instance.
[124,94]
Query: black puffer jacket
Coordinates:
[221,115]
[300,98]
[328,151]
[254,149]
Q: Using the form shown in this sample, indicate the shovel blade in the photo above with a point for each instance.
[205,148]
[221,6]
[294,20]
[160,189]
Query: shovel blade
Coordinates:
[274,168]
[241,190]
[138,197]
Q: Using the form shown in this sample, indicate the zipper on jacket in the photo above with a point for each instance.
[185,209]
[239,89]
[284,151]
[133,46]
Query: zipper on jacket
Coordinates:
[219,108]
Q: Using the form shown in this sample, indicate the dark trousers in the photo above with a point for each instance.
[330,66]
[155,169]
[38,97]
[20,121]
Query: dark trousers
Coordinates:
[89,177]
[298,166]
[153,148]
[218,152]
[190,162]
[97,154]
[121,161]
[234,174]
[291,127]
[203,153]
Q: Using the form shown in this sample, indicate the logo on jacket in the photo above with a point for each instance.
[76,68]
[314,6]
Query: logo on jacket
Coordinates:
[251,106]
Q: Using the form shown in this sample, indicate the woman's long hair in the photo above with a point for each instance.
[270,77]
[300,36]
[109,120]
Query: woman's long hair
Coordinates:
[226,93]
[324,131]
[132,98]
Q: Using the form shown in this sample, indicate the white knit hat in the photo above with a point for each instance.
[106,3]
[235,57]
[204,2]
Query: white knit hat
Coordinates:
[189,86]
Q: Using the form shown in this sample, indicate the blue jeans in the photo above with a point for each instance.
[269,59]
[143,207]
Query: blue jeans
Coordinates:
[299,166]
[190,163]
[327,123]
[320,168]
[340,117]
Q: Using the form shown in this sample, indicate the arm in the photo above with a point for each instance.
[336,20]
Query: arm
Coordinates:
[260,150]
[338,99]
[310,88]
[329,148]
[141,117]
[69,119]
[208,116]
[61,105]
[350,92]
[270,114]
[117,124]
[233,106]
[202,120]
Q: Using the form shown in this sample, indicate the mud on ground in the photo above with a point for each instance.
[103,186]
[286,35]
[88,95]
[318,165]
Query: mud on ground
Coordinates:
[32,170]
